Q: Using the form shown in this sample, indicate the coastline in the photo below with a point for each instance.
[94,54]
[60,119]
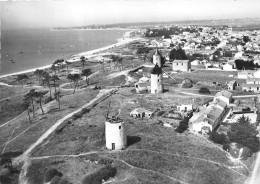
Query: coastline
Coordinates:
[76,57]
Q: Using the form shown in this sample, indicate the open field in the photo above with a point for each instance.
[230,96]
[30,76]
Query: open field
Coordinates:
[76,147]
[152,150]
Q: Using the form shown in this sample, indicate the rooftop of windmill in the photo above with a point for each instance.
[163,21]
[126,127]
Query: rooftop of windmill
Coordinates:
[114,119]
[156,70]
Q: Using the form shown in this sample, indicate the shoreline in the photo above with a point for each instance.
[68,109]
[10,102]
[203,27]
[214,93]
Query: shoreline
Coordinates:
[76,57]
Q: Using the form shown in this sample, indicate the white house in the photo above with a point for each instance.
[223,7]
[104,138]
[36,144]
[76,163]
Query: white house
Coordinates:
[188,107]
[141,113]
[224,96]
[195,62]
[207,120]
[229,67]
[142,87]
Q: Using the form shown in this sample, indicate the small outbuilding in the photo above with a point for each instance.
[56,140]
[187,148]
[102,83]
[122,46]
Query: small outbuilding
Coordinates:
[181,65]
[141,113]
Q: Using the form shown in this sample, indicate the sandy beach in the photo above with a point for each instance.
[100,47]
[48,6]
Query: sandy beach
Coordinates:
[87,54]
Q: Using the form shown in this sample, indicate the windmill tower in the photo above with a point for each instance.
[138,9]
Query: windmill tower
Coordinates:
[115,134]
[157,58]
[156,80]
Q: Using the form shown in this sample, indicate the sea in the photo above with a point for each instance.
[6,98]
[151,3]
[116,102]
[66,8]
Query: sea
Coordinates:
[31,48]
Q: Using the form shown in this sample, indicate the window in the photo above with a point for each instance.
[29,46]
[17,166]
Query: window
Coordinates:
[182,64]
[119,127]
[177,64]
[257,88]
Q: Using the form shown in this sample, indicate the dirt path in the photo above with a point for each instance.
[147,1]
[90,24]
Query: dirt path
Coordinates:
[25,156]
[120,160]
[134,167]
[196,158]
[10,121]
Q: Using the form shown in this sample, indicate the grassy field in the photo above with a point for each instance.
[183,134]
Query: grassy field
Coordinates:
[210,76]
[154,153]
[21,130]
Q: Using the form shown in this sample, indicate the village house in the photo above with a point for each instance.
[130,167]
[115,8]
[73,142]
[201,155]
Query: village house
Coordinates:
[245,74]
[232,85]
[253,81]
[141,113]
[207,120]
[251,87]
[229,67]
[181,65]
[142,87]
[224,96]
[185,108]
[195,62]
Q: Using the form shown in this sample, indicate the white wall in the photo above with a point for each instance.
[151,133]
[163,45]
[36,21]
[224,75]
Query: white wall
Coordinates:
[115,135]
[156,83]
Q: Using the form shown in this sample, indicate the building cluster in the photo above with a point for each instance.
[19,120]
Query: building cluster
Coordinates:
[209,116]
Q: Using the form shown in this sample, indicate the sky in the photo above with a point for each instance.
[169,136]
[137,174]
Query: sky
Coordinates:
[50,13]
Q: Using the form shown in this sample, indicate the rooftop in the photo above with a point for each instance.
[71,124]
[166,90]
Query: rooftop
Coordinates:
[114,119]
[180,61]
[224,93]
[156,70]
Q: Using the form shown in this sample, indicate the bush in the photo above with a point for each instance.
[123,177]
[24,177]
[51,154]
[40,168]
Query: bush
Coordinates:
[96,177]
[183,125]
[59,180]
[50,174]
[204,90]
[218,138]
[186,85]
[244,133]
[246,153]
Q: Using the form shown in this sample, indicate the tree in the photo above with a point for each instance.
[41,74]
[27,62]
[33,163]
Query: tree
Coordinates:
[244,133]
[183,125]
[218,138]
[28,111]
[22,79]
[83,61]
[246,39]
[47,79]
[177,54]
[54,78]
[204,90]
[86,72]
[102,67]
[53,67]
[118,62]
[57,97]
[39,95]
[75,78]
[38,73]
[30,96]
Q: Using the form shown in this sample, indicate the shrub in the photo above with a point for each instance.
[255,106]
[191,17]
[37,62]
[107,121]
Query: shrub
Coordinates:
[50,174]
[186,85]
[244,133]
[246,153]
[204,90]
[218,138]
[59,180]
[183,125]
[96,177]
